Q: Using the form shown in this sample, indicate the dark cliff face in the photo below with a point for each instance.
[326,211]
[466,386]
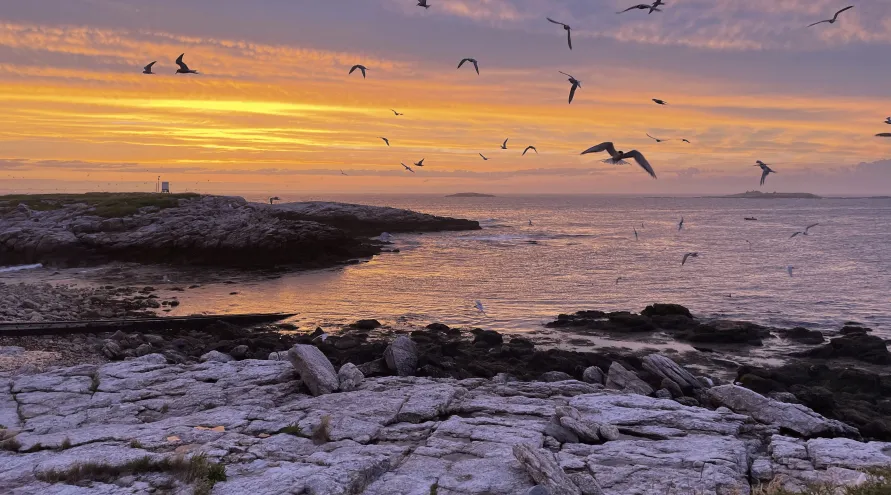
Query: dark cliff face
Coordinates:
[208,230]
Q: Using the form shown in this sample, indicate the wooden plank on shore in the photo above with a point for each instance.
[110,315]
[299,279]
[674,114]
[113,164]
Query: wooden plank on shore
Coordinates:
[134,324]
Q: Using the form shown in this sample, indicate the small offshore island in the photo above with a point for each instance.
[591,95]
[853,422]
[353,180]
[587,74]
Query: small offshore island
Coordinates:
[470,195]
[773,195]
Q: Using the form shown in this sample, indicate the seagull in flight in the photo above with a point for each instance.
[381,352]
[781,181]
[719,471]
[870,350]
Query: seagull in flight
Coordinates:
[183,68]
[575,84]
[396,113]
[642,6]
[685,140]
[764,170]
[479,306]
[806,229]
[407,168]
[681,224]
[654,7]
[530,222]
[618,157]
[660,102]
[789,270]
[420,163]
[385,140]
[484,157]
[834,18]
[656,139]
[617,280]
[360,67]
[148,68]
[635,235]
[471,60]
[566,28]
[888,120]
[423,3]
[884,134]
[688,255]
[530,147]
[504,144]
[342,172]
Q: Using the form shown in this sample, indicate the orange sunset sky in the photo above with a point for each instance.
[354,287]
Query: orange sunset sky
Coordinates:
[275,110]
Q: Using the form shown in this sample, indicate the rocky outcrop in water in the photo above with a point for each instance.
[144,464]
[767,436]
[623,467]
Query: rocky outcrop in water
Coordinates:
[213,230]
[250,427]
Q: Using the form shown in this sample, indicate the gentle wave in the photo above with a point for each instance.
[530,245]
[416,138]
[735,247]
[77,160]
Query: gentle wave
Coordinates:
[18,268]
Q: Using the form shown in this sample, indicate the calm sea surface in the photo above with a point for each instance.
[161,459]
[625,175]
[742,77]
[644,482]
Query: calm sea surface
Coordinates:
[571,255]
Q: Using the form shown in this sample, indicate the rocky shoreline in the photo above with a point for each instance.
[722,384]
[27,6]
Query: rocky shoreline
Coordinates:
[79,230]
[297,424]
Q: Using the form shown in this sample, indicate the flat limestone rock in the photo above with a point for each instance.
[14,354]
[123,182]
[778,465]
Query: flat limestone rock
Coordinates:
[667,369]
[618,378]
[316,372]
[543,468]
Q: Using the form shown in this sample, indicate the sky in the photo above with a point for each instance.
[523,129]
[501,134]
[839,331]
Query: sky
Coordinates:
[274,108]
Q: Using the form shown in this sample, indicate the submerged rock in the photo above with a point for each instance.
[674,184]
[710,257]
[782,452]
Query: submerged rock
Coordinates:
[803,335]
[726,332]
[861,346]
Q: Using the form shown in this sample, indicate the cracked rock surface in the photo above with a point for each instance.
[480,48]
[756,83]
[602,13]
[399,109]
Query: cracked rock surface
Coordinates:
[391,435]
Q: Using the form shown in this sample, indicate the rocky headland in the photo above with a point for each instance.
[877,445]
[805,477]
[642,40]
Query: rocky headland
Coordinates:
[77,230]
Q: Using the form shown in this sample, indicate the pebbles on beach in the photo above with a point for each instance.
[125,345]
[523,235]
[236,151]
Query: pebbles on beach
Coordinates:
[46,302]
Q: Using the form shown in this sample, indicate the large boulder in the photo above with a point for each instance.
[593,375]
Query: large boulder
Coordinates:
[618,378]
[316,372]
[593,374]
[725,332]
[402,356]
[864,347]
[666,310]
[216,357]
[667,369]
[349,377]
[792,417]
[802,335]
[542,467]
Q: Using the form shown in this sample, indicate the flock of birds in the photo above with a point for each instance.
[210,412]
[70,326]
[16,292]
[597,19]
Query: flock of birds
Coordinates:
[616,157]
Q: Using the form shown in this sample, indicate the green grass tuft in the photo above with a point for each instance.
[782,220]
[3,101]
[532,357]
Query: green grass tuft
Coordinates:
[94,383]
[292,429]
[134,444]
[8,441]
[37,447]
[66,444]
[320,434]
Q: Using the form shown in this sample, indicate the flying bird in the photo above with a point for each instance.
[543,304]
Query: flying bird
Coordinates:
[656,139]
[342,172]
[360,67]
[385,140]
[617,280]
[148,68]
[396,113]
[685,140]
[884,134]
[471,60]
[423,3]
[484,157]
[654,7]
[618,157]
[504,144]
[635,235]
[575,84]
[806,229]
[642,6]
[183,68]
[566,28]
[681,224]
[530,148]
[407,168]
[530,222]
[660,102]
[789,270]
[479,306]
[688,255]
[888,120]
[764,170]
[834,18]
[420,163]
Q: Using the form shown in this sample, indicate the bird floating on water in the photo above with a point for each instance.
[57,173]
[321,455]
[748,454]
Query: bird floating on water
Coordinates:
[635,235]
[765,170]
[617,280]
[660,102]
[148,68]
[565,28]
[789,270]
[423,3]
[484,157]
[834,18]
[476,65]
[618,157]
[530,148]
[681,224]
[884,134]
[805,231]
[183,68]
[396,113]
[504,144]
[688,255]
[385,140]
[575,84]
[407,168]
[420,163]
[361,68]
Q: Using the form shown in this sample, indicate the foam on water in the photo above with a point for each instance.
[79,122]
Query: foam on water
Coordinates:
[18,268]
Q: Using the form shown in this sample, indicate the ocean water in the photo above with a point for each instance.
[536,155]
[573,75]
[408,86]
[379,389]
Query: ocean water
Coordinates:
[576,248]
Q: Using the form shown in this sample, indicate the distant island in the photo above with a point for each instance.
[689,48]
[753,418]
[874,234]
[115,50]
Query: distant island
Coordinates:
[774,195]
[470,195]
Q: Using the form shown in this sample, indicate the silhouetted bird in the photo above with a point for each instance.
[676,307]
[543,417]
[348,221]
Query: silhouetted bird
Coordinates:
[360,67]
[834,18]
[385,140]
[420,163]
[504,144]
[148,68]
[423,3]
[575,84]
[688,255]
[407,168]
[764,170]
[565,28]
[656,139]
[471,60]
[641,6]
[396,113]
[530,148]
[484,157]
[618,157]
[660,102]
[183,68]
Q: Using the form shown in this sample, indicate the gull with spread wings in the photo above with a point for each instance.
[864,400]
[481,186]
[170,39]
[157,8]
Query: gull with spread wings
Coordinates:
[617,157]
[183,68]
[148,68]
[764,170]
[361,68]
[834,18]
[471,60]
[566,28]
[575,84]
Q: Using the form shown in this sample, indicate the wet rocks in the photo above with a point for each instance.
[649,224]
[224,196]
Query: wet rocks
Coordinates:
[487,337]
[402,356]
[861,346]
[593,374]
[315,370]
[673,376]
[666,310]
[367,324]
[802,335]
[725,332]
[618,378]
[554,376]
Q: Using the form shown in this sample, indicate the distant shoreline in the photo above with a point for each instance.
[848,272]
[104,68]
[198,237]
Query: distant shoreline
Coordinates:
[773,195]
[470,195]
